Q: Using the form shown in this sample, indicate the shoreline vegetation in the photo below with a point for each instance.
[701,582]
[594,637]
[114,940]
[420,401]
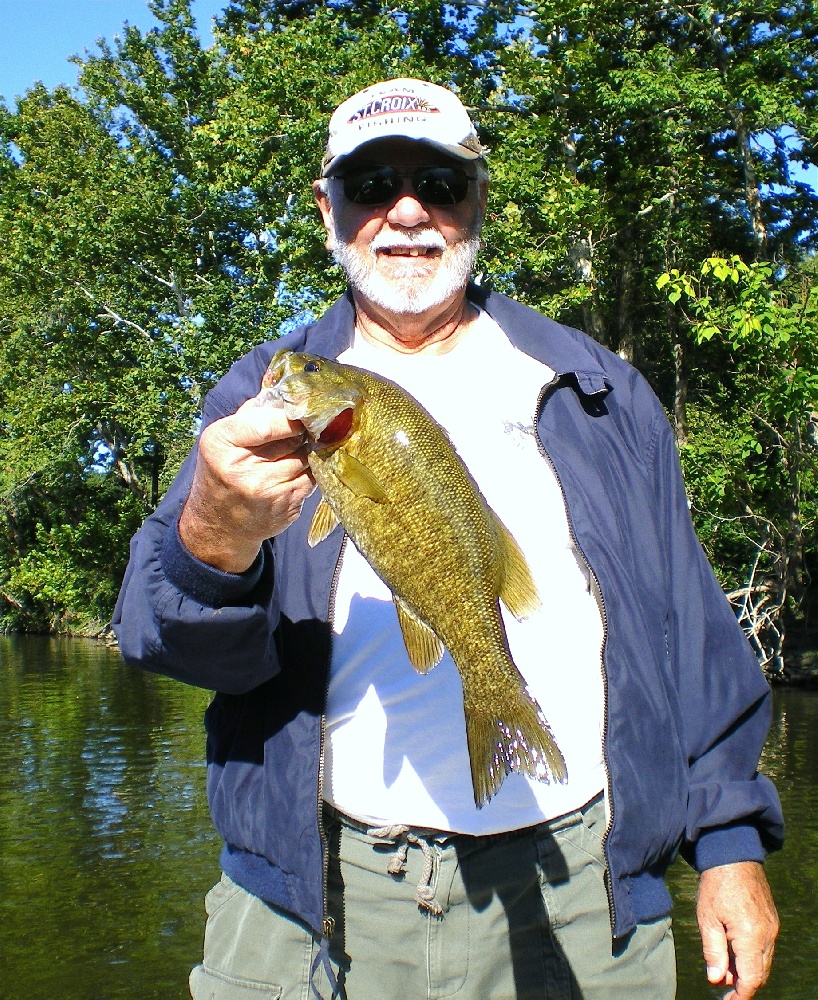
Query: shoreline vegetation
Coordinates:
[800,663]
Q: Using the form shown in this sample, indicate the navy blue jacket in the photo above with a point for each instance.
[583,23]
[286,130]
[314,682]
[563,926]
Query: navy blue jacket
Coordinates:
[686,704]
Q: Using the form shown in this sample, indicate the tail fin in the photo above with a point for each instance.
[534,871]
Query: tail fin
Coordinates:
[519,740]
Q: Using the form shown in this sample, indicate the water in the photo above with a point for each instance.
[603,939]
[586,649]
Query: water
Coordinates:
[105,844]
[106,848]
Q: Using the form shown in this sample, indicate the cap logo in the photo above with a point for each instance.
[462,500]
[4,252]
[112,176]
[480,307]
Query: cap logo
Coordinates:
[390,104]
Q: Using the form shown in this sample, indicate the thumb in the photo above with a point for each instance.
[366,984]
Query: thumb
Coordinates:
[255,423]
[716,955]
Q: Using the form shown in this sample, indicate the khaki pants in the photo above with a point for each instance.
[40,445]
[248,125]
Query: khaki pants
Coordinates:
[522,916]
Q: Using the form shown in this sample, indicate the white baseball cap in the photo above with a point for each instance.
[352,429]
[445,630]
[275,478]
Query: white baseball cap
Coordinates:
[403,108]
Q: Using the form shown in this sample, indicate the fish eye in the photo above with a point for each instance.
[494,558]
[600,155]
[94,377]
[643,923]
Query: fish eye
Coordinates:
[312,366]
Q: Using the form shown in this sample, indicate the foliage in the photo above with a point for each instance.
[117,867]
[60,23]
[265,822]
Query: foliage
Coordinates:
[752,462]
[158,222]
[62,553]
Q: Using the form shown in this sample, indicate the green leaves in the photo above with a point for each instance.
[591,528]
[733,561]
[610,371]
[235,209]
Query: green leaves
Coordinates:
[758,486]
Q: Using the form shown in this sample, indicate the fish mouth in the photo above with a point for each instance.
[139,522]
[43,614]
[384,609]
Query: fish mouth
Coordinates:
[326,423]
[304,387]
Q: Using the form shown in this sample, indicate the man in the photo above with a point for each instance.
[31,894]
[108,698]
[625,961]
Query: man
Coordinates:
[356,862]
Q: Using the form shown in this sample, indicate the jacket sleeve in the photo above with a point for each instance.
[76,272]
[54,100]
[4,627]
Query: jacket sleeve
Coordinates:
[178,616]
[733,811]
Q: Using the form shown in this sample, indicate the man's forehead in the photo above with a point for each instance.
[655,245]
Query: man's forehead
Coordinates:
[397,153]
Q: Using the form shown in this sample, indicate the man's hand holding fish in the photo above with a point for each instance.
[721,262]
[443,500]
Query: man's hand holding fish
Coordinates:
[251,479]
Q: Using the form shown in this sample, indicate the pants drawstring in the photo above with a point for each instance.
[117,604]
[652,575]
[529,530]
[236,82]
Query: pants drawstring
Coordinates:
[322,959]
[403,836]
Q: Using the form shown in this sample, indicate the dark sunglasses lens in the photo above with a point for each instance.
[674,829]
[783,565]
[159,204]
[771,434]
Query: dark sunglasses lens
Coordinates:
[441,185]
[372,187]
[434,185]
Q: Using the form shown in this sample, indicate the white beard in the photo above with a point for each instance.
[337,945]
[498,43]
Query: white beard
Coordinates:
[408,291]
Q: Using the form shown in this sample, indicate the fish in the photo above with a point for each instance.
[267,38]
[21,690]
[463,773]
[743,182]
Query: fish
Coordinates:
[390,475]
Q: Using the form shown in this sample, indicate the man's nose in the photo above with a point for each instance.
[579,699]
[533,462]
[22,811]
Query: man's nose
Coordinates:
[407,209]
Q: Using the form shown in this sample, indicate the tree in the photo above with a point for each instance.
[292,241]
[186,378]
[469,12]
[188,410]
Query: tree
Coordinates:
[663,125]
[150,233]
[759,525]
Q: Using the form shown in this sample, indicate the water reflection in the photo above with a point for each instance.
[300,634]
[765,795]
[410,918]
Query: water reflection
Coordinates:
[106,848]
[105,845]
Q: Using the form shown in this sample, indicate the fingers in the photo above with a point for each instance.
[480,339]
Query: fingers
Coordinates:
[254,450]
[258,424]
[738,924]
[716,957]
[252,477]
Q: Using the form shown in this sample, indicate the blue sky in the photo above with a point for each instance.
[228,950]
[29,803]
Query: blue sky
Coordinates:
[37,37]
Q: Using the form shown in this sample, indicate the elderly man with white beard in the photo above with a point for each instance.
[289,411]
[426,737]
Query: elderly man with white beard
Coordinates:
[356,863]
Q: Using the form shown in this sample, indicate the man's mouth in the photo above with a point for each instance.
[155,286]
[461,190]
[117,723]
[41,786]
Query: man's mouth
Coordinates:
[410,251]
[427,245]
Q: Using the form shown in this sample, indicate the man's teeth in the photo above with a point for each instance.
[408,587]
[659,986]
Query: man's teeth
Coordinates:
[408,251]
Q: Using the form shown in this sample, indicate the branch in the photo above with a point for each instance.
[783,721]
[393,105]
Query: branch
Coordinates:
[106,309]
[655,202]
[170,283]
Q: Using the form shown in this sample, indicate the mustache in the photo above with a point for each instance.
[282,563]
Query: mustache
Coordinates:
[429,239]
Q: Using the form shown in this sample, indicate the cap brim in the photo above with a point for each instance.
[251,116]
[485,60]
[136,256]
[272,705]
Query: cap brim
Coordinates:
[455,151]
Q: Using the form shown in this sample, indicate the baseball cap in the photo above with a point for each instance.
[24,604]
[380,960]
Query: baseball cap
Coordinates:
[402,108]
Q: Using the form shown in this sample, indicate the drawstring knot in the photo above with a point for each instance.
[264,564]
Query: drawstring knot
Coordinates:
[396,863]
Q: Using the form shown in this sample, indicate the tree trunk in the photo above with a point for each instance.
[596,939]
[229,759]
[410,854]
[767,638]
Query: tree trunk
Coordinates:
[680,379]
[627,345]
[752,196]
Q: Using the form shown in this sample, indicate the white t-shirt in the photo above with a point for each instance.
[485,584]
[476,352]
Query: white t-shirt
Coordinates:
[396,741]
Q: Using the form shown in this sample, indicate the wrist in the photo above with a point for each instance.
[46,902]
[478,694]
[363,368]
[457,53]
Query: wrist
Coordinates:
[209,540]
[203,582]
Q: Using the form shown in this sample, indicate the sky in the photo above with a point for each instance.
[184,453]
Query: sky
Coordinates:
[37,37]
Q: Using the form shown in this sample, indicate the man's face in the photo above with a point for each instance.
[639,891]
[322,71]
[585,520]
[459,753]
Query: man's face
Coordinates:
[406,255]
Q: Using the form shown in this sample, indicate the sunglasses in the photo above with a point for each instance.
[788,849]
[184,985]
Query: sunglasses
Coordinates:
[380,185]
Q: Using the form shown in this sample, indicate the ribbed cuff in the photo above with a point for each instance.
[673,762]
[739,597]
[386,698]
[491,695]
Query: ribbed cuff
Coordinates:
[726,845]
[209,586]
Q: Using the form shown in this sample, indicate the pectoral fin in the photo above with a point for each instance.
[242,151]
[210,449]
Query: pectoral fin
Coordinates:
[423,646]
[517,589]
[357,477]
[323,521]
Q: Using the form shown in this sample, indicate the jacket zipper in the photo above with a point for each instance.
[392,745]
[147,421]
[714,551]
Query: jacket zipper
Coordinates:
[546,390]
[327,922]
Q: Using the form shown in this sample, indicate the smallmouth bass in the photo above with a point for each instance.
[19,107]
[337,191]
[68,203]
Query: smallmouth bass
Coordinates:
[389,474]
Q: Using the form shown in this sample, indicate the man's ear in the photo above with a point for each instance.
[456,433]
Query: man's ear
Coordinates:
[483,198]
[319,190]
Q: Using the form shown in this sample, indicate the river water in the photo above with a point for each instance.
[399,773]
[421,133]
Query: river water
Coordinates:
[106,848]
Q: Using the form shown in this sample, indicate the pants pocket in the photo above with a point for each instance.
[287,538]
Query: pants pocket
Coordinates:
[251,949]
[208,985]
[221,894]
